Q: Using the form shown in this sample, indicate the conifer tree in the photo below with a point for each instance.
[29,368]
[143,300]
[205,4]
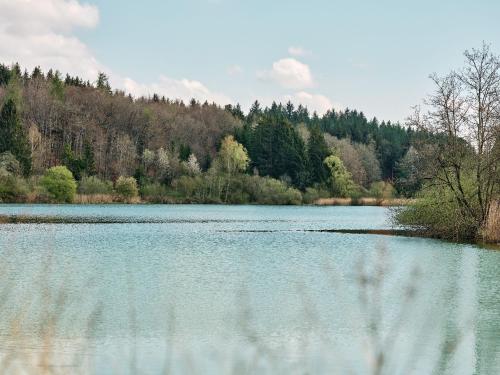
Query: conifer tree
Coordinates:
[278,150]
[12,136]
[103,83]
[4,75]
[88,159]
[317,152]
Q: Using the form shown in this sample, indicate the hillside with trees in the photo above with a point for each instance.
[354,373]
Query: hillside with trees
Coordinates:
[182,152]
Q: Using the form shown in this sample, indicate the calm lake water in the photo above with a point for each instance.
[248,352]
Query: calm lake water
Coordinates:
[244,289]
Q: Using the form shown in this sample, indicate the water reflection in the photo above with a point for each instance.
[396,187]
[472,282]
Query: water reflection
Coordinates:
[191,297]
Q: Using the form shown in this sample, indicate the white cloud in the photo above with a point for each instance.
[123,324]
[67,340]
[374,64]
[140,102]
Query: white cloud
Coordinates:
[44,16]
[234,70]
[39,32]
[298,51]
[289,73]
[184,89]
[314,102]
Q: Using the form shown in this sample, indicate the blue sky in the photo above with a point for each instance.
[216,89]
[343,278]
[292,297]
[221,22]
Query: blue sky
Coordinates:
[370,55]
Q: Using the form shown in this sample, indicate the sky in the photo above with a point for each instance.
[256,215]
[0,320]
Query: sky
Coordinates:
[373,56]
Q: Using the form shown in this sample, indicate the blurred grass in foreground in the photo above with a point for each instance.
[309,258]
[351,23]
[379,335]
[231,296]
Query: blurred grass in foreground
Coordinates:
[28,348]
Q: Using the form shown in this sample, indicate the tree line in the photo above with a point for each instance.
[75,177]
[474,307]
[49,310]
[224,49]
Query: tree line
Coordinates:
[48,120]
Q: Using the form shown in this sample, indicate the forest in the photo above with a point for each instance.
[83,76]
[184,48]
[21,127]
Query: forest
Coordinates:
[63,139]
[171,151]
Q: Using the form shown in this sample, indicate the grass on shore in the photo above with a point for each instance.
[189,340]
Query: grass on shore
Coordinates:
[111,199]
[367,201]
[491,231]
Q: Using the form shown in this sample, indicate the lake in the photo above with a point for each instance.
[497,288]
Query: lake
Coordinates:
[242,289]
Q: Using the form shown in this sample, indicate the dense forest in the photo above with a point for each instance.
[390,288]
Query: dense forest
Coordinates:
[175,150]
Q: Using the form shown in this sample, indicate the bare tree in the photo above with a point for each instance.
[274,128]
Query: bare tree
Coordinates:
[465,115]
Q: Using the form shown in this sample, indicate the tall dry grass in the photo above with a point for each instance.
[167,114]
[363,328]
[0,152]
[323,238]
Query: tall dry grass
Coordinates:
[104,199]
[94,198]
[365,201]
[491,231]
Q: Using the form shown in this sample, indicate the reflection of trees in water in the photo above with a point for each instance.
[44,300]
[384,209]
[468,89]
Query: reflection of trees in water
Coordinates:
[487,327]
[454,322]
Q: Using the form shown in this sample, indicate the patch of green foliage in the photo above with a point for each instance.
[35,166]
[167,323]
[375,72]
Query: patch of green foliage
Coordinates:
[437,212]
[381,190]
[211,188]
[154,193]
[312,194]
[340,180]
[59,184]
[13,188]
[13,138]
[94,185]
[126,187]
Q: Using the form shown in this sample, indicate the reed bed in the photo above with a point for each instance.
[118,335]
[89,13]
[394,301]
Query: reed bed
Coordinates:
[104,199]
[491,231]
[365,201]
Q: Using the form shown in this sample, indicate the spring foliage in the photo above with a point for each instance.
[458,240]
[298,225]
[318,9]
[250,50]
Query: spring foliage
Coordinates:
[59,184]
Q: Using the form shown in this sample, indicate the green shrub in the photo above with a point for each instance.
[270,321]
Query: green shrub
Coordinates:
[9,163]
[381,190]
[267,190]
[59,184]
[126,187]
[155,192]
[356,194]
[340,180]
[93,185]
[313,194]
[12,188]
[186,186]
[437,213]
[212,188]
[205,188]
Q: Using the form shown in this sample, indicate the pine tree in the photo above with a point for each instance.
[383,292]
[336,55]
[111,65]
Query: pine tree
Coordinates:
[50,74]
[4,75]
[103,83]
[290,110]
[255,113]
[37,73]
[184,152]
[88,159]
[16,69]
[12,136]
[277,150]
[56,86]
[317,152]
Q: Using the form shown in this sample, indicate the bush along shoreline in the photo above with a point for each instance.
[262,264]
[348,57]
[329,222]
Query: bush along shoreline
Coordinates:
[460,159]
[58,185]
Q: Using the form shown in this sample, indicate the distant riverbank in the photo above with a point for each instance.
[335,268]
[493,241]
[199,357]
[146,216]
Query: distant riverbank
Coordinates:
[114,199]
[368,201]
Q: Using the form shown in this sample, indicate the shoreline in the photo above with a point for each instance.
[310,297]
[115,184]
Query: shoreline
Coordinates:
[109,200]
[365,201]
[39,220]
[406,233]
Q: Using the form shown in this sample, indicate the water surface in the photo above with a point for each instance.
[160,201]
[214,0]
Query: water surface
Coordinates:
[209,288]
